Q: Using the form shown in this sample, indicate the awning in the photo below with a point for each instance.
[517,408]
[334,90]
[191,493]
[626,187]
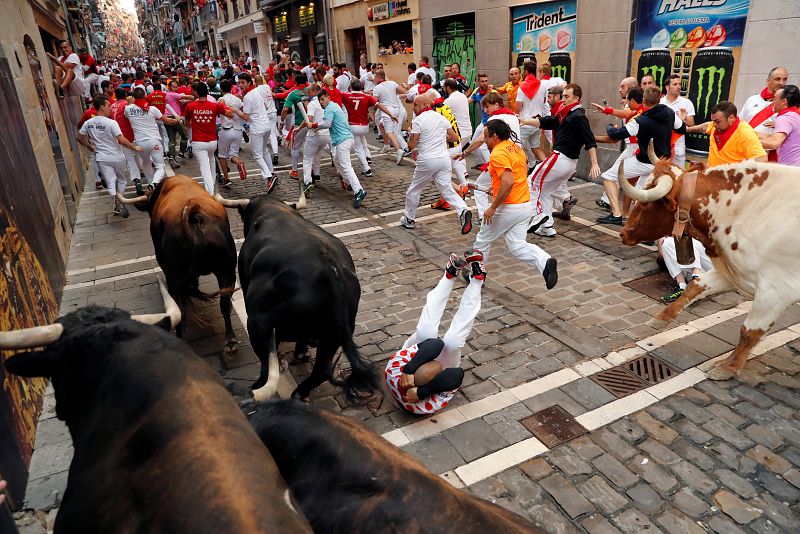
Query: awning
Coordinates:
[244,21]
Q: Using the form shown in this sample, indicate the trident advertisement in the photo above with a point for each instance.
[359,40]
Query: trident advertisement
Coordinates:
[546,32]
[701,42]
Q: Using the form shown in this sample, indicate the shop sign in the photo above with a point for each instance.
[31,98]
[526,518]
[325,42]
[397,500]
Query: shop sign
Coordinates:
[307,18]
[220,37]
[259,27]
[388,10]
[280,23]
[699,41]
[546,32]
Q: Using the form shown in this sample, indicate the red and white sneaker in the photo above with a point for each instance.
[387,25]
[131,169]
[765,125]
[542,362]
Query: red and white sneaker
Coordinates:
[475,259]
[242,170]
[454,266]
[473,255]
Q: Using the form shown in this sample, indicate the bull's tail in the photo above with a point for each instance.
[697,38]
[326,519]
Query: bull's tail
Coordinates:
[361,382]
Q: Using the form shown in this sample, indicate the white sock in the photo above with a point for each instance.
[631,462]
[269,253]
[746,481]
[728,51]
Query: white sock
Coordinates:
[682,285]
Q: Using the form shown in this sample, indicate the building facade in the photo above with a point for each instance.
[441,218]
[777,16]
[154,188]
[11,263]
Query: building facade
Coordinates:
[243,28]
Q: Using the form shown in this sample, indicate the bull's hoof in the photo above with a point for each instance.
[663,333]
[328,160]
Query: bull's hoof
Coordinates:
[657,323]
[721,374]
[231,346]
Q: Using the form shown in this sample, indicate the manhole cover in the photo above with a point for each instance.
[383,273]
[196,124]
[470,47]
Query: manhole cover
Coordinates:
[553,426]
[653,285]
[651,369]
[619,381]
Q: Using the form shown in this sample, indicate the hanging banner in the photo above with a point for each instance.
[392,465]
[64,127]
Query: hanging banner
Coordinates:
[546,32]
[699,41]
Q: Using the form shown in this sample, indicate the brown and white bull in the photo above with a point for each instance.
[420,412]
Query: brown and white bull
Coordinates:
[746,216]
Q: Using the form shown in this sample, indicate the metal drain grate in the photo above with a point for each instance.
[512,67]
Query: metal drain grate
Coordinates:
[553,426]
[651,369]
[619,381]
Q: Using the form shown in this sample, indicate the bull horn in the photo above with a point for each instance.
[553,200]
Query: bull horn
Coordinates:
[124,200]
[301,202]
[170,306]
[30,338]
[241,203]
[651,153]
[269,389]
[662,188]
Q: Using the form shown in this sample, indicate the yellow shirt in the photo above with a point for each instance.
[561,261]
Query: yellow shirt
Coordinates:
[509,156]
[742,145]
[511,89]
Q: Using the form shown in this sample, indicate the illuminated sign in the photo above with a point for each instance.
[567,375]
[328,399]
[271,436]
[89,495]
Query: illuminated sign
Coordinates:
[280,23]
[307,16]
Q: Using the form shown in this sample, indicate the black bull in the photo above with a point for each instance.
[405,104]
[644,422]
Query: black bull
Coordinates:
[347,479]
[160,445]
[300,282]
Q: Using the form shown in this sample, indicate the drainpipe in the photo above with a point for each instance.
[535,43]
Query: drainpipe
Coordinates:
[326,12]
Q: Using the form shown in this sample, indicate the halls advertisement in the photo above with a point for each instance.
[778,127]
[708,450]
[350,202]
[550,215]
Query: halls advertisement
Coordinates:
[700,41]
[546,31]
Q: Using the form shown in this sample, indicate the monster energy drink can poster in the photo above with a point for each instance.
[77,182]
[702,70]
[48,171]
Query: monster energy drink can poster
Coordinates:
[700,41]
[546,32]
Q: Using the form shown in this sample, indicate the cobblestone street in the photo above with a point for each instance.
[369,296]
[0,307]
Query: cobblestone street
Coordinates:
[682,454]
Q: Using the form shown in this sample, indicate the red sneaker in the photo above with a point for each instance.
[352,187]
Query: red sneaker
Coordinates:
[294,174]
[242,170]
[441,204]
[454,266]
[473,255]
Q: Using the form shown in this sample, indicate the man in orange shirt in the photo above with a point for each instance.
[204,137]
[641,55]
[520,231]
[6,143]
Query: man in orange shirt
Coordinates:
[511,210]
[511,87]
[730,140]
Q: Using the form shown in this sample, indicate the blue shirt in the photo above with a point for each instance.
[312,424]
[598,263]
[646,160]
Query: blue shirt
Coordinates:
[477,97]
[336,120]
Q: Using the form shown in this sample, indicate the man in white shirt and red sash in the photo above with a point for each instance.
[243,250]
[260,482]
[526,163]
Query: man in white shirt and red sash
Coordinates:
[757,110]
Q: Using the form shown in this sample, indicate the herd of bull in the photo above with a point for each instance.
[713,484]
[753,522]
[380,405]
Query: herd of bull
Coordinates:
[161,445]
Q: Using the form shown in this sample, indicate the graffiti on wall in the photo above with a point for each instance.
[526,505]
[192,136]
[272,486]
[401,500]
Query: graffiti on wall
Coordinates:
[454,45]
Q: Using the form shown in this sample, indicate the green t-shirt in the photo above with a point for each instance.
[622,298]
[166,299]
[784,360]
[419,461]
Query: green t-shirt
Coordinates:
[293,98]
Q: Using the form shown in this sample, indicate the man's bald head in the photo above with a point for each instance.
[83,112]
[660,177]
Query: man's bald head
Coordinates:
[626,85]
[777,78]
[421,102]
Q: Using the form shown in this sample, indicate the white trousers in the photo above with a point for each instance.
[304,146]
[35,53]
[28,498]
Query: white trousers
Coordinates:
[152,151]
[546,178]
[314,145]
[162,128]
[530,137]
[273,132]
[360,132]
[511,222]
[435,170]
[482,154]
[701,259]
[204,154]
[481,198]
[89,80]
[229,142]
[116,175]
[461,325]
[341,160]
[459,166]
[258,144]
[611,172]
[396,128]
[298,141]
[130,161]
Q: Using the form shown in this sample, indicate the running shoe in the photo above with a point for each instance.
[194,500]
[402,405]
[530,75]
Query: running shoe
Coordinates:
[367,173]
[272,181]
[546,231]
[537,221]
[454,266]
[120,209]
[441,204]
[405,222]
[611,219]
[189,152]
[550,273]
[478,269]
[307,188]
[151,187]
[463,191]
[98,185]
[274,159]
[245,137]
[473,255]
[672,296]
[566,207]
[137,183]
[359,197]
[294,174]
[466,221]
[602,204]
[242,170]
[227,184]
[174,163]
[315,178]
[400,155]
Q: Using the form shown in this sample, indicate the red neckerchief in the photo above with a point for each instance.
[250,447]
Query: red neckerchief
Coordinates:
[792,109]
[427,108]
[248,90]
[555,108]
[545,77]
[424,65]
[767,95]
[722,137]
[530,85]
[501,111]
[142,103]
[460,77]
[563,110]
[483,92]
[423,88]
[438,102]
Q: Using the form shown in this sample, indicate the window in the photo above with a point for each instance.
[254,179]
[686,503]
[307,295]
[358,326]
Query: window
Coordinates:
[246,7]
[235,4]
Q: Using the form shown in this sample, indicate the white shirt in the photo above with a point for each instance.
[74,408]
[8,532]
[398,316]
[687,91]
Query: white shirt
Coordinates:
[103,133]
[432,129]
[530,107]
[751,107]
[308,70]
[386,93]
[545,86]
[143,122]
[315,114]
[343,82]
[412,78]
[459,104]
[255,106]
[426,70]
[76,61]
[681,103]
[235,103]
[269,100]
[362,72]
[369,81]
[414,92]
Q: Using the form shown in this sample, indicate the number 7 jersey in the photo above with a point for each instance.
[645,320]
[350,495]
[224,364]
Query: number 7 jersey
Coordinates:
[357,105]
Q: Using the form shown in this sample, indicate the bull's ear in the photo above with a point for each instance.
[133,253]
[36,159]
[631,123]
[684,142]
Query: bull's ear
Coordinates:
[164,324]
[30,364]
